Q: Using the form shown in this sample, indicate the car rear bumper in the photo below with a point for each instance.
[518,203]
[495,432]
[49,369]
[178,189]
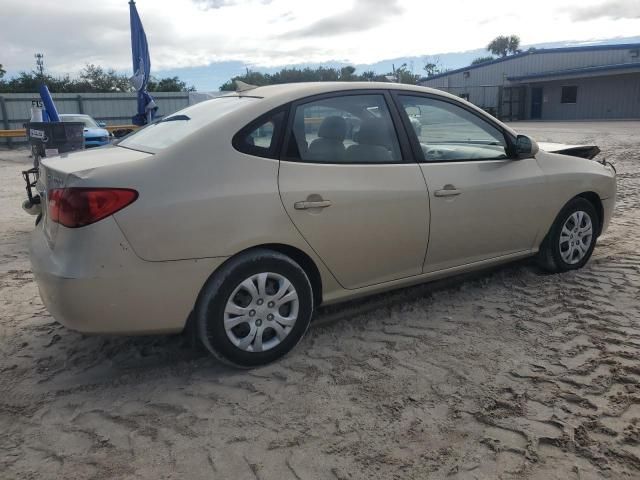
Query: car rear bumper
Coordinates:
[91,281]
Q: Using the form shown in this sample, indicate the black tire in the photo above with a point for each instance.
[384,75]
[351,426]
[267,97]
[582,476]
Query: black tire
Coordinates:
[212,301]
[550,256]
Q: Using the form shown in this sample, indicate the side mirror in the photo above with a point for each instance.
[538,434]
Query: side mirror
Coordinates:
[102,124]
[526,147]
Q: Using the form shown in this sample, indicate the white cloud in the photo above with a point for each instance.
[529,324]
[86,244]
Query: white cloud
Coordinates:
[185,33]
[614,9]
[363,15]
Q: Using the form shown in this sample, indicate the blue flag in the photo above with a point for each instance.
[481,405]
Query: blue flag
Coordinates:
[141,68]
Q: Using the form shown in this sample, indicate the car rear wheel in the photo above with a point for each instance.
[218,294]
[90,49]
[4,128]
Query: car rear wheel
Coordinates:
[572,237]
[255,309]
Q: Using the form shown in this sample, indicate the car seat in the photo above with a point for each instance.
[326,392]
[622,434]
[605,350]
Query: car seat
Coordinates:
[329,146]
[373,145]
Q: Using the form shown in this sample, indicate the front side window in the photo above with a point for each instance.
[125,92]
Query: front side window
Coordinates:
[344,129]
[447,132]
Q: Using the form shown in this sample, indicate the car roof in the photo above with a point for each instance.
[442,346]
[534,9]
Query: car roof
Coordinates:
[291,91]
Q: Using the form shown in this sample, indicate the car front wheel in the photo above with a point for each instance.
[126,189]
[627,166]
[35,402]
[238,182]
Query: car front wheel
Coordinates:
[572,237]
[255,309]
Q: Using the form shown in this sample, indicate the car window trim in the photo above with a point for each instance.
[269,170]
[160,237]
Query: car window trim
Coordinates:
[405,147]
[415,142]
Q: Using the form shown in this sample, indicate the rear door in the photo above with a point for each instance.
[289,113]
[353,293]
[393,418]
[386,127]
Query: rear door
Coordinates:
[484,204]
[347,184]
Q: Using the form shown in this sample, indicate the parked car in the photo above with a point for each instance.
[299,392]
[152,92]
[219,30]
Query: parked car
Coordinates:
[239,217]
[95,135]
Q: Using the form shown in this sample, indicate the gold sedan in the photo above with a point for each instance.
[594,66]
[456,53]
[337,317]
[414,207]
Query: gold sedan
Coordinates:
[240,215]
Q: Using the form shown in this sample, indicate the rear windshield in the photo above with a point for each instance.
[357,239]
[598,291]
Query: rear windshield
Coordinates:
[88,121]
[173,128]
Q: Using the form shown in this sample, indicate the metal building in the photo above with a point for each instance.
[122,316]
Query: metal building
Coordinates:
[573,83]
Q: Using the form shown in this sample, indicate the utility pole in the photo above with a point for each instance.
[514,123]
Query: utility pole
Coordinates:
[39,64]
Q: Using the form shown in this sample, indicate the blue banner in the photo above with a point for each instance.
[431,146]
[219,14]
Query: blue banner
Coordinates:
[141,68]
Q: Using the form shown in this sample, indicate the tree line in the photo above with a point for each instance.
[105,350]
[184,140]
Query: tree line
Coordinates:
[402,74]
[91,79]
[500,46]
[95,79]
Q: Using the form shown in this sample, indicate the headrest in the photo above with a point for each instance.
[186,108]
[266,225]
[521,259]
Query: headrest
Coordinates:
[373,132]
[334,128]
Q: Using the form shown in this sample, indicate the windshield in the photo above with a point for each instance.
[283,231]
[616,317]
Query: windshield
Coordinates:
[88,121]
[177,126]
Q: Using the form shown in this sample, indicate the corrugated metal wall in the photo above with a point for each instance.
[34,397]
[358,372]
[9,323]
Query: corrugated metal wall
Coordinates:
[525,64]
[112,108]
[612,96]
[485,97]
[598,97]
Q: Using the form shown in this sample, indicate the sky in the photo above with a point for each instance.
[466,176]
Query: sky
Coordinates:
[189,35]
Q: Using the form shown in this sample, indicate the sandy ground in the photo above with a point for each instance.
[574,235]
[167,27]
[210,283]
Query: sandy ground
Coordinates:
[505,374]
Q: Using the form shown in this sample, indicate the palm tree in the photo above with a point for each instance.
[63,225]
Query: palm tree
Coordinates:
[504,46]
[514,44]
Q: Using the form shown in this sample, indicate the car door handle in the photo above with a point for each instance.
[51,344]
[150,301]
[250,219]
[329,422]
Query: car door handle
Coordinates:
[447,191]
[312,204]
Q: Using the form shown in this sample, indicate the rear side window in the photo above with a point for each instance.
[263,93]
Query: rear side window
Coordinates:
[344,129]
[177,126]
[260,137]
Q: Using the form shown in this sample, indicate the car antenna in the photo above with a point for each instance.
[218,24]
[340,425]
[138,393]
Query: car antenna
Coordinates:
[243,87]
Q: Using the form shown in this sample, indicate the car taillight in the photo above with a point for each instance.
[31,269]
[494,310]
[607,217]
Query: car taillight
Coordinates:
[77,207]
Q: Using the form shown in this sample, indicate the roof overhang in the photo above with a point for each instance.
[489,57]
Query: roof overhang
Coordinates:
[583,72]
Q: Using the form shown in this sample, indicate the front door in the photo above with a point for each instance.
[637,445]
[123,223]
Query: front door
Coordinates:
[483,204]
[536,103]
[346,186]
